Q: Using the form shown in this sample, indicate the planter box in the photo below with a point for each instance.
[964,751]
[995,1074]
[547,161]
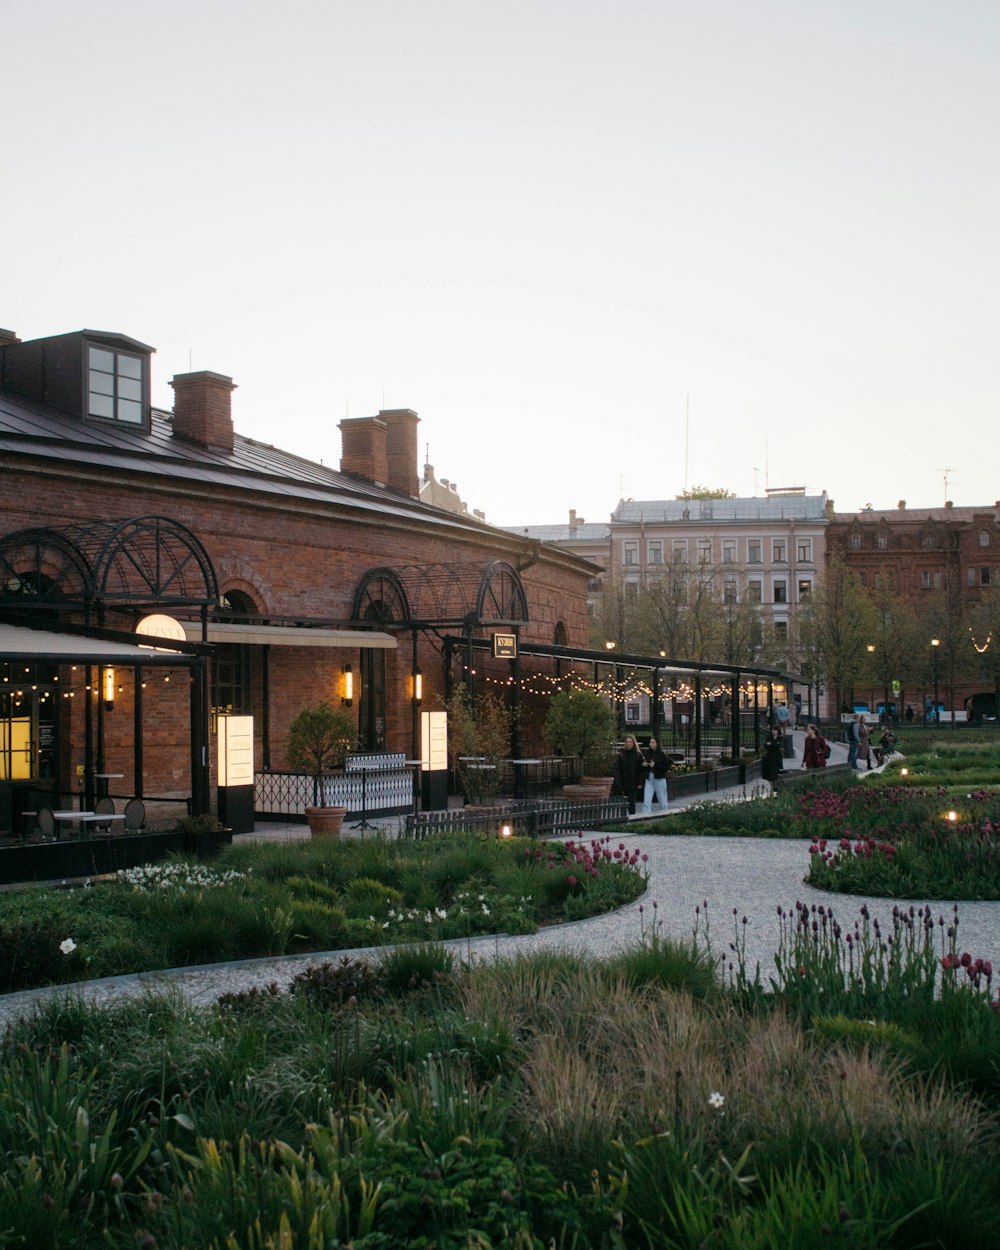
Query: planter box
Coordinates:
[73,858]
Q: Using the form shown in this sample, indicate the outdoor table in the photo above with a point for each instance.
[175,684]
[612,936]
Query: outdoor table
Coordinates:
[521,777]
[68,816]
[100,818]
[417,766]
[364,770]
[106,777]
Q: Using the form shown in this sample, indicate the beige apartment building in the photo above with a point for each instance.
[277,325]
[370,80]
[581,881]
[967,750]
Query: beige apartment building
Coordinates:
[768,551]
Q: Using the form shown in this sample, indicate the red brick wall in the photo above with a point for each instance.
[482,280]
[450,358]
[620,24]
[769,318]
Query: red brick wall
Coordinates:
[293,559]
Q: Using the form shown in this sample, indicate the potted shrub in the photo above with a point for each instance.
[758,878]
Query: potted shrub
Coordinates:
[479,734]
[580,723]
[319,739]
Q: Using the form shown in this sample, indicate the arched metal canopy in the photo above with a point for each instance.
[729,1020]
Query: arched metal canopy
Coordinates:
[441,595]
[140,562]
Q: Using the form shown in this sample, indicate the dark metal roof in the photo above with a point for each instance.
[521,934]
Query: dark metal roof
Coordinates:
[33,429]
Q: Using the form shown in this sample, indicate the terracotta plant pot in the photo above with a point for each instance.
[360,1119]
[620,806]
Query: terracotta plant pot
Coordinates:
[603,783]
[325,822]
[585,793]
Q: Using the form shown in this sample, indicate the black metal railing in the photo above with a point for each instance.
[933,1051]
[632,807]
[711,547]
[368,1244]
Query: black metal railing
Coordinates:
[537,818]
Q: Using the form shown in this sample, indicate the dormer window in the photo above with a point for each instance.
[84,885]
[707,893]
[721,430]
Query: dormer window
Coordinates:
[115,387]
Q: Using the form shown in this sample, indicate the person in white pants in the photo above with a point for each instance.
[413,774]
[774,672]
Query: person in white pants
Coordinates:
[657,766]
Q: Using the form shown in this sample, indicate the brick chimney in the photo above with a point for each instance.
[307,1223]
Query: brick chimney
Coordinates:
[8,338]
[401,445]
[363,448]
[203,409]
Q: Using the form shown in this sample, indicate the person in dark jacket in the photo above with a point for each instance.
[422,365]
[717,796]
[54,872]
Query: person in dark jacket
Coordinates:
[657,765]
[772,763]
[629,772]
[816,751]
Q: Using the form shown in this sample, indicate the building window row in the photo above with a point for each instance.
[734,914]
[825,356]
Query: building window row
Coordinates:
[729,551]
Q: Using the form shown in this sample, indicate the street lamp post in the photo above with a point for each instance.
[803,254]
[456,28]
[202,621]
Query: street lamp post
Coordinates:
[871,675]
[935,643]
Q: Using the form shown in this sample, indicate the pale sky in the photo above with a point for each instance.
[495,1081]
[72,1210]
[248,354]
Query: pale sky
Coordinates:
[551,227]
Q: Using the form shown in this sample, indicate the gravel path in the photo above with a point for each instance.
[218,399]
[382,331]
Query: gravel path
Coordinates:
[751,876]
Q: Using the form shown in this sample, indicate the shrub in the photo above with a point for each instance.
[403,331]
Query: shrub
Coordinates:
[412,968]
[346,982]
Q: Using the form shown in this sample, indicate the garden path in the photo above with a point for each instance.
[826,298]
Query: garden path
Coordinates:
[735,877]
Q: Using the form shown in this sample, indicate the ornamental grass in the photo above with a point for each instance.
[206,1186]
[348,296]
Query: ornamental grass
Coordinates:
[535,1101]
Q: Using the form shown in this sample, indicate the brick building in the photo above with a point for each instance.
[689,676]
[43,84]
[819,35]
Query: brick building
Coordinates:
[306,579]
[941,560]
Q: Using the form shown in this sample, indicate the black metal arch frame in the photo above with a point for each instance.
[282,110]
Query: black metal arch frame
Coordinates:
[141,562]
[43,568]
[501,595]
[381,596]
[440,596]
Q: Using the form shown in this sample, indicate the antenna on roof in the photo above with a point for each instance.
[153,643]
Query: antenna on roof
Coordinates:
[189,361]
[945,473]
[756,474]
[687,426]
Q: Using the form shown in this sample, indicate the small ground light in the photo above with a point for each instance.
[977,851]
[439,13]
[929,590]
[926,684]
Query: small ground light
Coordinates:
[505,831]
[904,772]
[953,815]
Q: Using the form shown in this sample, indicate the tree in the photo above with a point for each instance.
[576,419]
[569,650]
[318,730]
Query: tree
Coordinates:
[617,616]
[479,732]
[837,627]
[580,723]
[706,492]
[319,739]
[983,627]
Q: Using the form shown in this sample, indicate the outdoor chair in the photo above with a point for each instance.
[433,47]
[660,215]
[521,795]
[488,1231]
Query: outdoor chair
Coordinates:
[135,815]
[101,807]
[46,822]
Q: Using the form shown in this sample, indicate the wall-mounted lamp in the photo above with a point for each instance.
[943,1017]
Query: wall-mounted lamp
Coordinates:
[108,687]
[418,685]
[346,686]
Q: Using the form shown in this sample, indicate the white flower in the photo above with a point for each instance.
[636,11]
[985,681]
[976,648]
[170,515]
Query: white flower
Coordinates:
[716,1100]
[67,946]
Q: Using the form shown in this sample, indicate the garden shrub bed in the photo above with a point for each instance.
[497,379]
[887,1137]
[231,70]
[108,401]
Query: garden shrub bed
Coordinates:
[547,1100]
[269,898]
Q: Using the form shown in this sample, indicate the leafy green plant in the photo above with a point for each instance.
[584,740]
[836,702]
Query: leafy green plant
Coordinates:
[580,723]
[319,739]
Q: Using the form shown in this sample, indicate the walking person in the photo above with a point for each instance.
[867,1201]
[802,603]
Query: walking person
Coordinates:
[773,764]
[853,742]
[630,768]
[817,749]
[657,766]
[864,747]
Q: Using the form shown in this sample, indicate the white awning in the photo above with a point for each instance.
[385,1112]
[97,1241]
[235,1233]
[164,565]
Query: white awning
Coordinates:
[17,642]
[290,636]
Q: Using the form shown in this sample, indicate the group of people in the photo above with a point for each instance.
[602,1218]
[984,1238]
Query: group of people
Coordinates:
[816,751]
[646,771]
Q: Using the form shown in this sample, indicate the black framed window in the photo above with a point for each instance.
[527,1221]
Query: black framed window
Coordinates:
[231,668]
[116,389]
